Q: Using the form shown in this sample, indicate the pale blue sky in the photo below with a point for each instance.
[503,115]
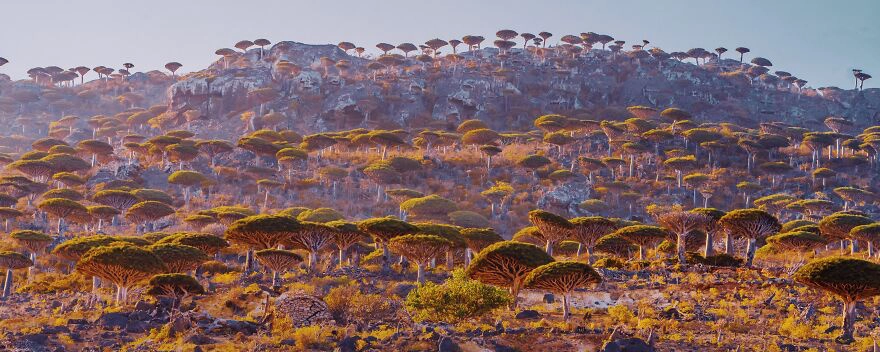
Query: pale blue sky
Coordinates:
[820,41]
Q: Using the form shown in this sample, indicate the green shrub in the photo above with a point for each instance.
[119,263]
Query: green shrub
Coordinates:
[348,304]
[457,299]
[721,259]
[57,282]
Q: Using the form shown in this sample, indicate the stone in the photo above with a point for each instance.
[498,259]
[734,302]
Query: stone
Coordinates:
[287,342]
[348,344]
[144,306]
[137,326]
[528,314]
[447,345]
[303,309]
[232,327]
[77,322]
[199,339]
[549,298]
[627,345]
[113,321]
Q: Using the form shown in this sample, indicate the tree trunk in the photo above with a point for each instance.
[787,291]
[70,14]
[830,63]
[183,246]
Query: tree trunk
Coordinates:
[313,261]
[386,259]
[420,277]
[680,248]
[853,246]
[641,252]
[275,279]
[709,245]
[341,257]
[849,320]
[565,310]
[728,244]
[7,284]
[750,252]
[450,260]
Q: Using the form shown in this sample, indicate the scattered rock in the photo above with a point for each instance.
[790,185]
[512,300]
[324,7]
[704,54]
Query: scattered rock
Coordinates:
[528,314]
[447,345]
[627,345]
[348,344]
[549,298]
[199,339]
[113,321]
[402,290]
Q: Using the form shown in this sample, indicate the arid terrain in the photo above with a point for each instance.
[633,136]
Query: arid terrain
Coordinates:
[515,192]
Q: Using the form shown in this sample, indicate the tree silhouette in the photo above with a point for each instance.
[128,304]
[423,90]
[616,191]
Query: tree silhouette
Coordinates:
[742,51]
[278,260]
[849,279]
[262,44]
[713,227]
[562,278]
[148,211]
[477,239]
[173,67]
[124,265]
[869,233]
[506,264]
[681,223]
[420,249]
[207,243]
[345,235]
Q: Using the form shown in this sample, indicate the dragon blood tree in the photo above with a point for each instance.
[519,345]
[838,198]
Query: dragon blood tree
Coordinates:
[642,236]
[123,264]
[261,232]
[62,208]
[752,224]
[383,230]
[477,239]
[420,249]
[34,242]
[849,279]
[148,211]
[174,286]
[205,242]
[311,237]
[587,230]
[451,233]
[11,261]
[681,223]
[278,260]
[345,235]
[553,228]
[869,233]
[562,278]
[506,264]
[179,258]
[76,247]
[712,228]
[837,226]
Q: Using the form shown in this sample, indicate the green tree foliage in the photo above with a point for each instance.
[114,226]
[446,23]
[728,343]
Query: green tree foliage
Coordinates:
[849,279]
[122,264]
[506,264]
[420,249]
[562,278]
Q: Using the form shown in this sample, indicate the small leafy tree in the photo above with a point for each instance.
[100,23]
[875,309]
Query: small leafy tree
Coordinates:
[205,242]
[681,223]
[562,278]
[33,241]
[869,233]
[456,300]
[477,239]
[62,208]
[312,237]
[838,226]
[506,264]
[345,235]
[186,179]
[849,279]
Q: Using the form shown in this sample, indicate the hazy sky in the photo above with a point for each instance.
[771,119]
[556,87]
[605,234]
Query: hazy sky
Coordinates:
[818,40]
